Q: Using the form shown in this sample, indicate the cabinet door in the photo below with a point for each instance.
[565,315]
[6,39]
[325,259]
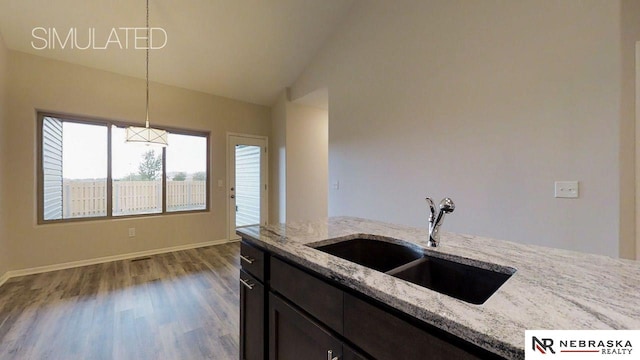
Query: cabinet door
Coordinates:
[349,354]
[294,336]
[317,298]
[252,317]
[388,337]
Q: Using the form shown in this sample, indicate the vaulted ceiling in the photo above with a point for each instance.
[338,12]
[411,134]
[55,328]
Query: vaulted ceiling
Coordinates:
[248,50]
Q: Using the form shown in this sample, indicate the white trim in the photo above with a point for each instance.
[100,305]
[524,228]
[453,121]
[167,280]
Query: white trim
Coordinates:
[100,260]
[4,278]
[265,199]
[637,144]
[259,137]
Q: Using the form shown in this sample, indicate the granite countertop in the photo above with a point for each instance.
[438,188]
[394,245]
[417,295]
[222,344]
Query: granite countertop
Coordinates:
[551,289]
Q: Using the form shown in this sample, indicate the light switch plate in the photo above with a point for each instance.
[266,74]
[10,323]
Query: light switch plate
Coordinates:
[566,189]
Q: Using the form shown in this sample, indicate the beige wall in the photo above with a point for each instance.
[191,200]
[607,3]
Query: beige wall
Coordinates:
[299,162]
[630,13]
[488,102]
[38,83]
[278,162]
[4,244]
[307,162]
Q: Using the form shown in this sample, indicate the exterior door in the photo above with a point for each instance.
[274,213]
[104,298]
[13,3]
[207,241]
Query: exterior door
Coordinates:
[247,185]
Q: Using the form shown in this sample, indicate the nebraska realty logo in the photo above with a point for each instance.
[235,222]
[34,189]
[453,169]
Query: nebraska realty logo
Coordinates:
[582,344]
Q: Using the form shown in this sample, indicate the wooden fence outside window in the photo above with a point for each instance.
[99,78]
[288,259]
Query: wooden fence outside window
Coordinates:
[88,198]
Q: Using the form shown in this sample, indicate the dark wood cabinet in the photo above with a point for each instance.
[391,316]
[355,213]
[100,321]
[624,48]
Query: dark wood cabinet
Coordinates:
[310,293]
[253,314]
[292,313]
[252,318]
[390,338]
[294,336]
[253,260]
[348,354]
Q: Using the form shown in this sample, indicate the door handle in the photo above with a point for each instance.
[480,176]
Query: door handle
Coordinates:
[330,356]
[247,284]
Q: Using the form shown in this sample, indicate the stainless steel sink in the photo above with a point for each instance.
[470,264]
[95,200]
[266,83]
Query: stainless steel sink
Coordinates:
[374,254]
[464,279]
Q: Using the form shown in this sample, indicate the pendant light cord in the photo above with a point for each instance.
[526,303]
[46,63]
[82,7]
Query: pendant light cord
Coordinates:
[147,49]
[147,135]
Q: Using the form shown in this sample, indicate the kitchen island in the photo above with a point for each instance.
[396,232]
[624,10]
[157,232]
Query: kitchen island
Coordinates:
[550,289]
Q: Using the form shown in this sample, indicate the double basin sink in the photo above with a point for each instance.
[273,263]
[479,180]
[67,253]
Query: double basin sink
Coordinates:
[454,277]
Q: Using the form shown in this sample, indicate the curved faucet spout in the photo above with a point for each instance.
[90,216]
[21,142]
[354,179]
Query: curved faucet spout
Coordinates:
[432,207]
[446,206]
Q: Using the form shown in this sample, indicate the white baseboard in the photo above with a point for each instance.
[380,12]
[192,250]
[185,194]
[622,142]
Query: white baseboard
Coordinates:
[4,278]
[100,260]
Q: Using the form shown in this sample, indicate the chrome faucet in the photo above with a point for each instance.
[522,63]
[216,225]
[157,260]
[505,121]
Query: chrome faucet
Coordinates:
[446,206]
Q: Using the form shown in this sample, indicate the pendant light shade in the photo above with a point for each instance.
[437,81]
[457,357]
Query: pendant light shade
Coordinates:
[147,135]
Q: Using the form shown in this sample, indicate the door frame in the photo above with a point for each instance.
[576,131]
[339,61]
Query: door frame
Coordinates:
[264,171]
[637,162]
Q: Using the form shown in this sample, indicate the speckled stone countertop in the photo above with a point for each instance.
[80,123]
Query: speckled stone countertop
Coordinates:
[551,289]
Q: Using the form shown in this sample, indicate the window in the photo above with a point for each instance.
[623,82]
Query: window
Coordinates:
[137,176]
[87,171]
[186,173]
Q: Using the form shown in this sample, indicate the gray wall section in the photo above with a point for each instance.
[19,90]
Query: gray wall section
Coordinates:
[488,102]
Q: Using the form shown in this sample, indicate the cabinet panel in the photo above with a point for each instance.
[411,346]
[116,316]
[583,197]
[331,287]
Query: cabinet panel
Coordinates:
[294,336]
[388,337]
[349,354]
[252,260]
[313,295]
[252,318]
[294,314]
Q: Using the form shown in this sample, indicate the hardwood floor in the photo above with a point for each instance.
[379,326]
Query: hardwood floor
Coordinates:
[180,305]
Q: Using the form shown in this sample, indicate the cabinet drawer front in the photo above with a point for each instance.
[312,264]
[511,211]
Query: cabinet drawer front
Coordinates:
[388,337]
[252,318]
[252,260]
[313,295]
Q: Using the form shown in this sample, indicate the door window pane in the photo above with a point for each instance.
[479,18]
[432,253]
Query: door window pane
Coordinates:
[137,176]
[186,173]
[247,185]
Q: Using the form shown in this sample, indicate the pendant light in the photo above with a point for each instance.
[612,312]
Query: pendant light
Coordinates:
[147,135]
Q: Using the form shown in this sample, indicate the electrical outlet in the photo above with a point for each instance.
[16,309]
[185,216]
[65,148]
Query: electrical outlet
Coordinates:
[132,232]
[566,189]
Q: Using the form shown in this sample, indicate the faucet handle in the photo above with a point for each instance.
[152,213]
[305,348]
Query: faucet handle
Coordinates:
[432,207]
[447,205]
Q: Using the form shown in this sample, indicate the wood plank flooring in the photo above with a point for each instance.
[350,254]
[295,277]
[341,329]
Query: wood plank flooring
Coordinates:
[179,305]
